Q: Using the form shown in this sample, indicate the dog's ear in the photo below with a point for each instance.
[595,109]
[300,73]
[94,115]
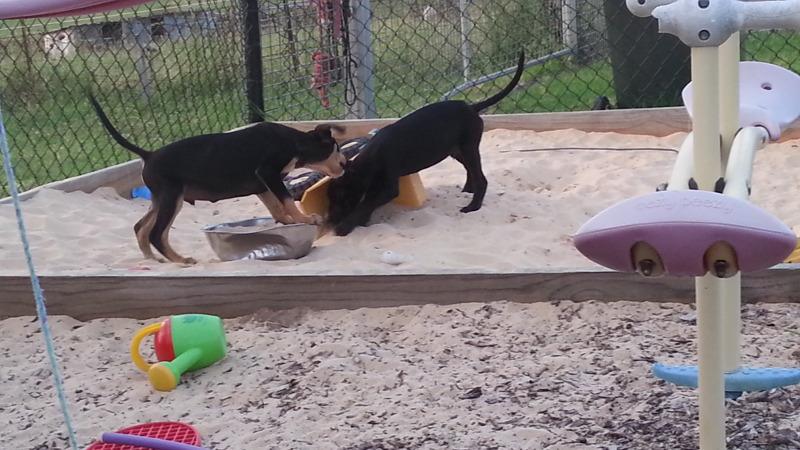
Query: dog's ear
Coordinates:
[324,130]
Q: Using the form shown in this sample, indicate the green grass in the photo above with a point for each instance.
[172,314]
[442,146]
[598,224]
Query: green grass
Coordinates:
[197,85]
[777,47]
[54,134]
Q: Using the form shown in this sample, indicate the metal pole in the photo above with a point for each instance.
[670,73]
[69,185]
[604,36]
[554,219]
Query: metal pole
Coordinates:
[569,24]
[466,47]
[141,40]
[254,66]
[363,106]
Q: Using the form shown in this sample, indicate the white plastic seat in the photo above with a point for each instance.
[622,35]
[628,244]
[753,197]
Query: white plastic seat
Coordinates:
[769,96]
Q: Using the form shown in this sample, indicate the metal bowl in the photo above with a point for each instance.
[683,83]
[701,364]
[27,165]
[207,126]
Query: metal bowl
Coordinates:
[261,238]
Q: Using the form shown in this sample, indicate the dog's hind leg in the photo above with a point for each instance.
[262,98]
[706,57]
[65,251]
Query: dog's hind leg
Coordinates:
[479,185]
[142,231]
[169,205]
[476,183]
[469,183]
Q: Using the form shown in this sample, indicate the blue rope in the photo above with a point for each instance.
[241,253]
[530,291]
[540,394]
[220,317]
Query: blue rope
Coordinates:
[41,311]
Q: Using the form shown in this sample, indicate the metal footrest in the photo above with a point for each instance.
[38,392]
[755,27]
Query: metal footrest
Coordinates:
[745,379]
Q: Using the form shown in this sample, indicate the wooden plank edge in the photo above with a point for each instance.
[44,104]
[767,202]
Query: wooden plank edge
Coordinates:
[143,295]
[641,121]
[122,177]
[645,121]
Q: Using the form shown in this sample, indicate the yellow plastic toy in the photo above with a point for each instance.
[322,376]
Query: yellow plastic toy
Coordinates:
[412,194]
[794,257]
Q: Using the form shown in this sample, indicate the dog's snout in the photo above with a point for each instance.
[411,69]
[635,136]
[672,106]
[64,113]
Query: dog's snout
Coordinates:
[340,170]
[333,166]
[342,160]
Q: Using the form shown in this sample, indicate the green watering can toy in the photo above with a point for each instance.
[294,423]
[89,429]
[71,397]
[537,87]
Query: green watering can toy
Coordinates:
[182,343]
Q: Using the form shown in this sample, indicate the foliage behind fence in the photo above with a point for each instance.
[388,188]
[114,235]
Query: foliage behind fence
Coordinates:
[176,68]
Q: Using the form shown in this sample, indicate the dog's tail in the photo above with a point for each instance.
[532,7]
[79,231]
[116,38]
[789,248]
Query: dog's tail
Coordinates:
[507,90]
[142,153]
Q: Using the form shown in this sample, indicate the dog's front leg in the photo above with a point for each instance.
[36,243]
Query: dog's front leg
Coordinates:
[299,216]
[275,207]
[379,193]
[280,203]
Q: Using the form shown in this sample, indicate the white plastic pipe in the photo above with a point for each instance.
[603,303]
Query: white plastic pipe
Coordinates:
[712,22]
[708,290]
[731,288]
[683,169]
[644,8]
[739,171]
[705,116]
[738,174]
[729,93]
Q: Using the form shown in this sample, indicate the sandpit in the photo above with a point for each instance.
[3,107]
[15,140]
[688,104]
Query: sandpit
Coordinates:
[556,375]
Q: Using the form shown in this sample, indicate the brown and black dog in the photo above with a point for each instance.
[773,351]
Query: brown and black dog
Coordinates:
[251,160]
[417,141]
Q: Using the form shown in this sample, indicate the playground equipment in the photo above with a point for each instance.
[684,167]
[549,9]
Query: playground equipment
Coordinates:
[709,235]
[182,343]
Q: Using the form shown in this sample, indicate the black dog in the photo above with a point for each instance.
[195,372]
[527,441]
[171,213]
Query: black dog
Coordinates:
[415,142]
[246,161]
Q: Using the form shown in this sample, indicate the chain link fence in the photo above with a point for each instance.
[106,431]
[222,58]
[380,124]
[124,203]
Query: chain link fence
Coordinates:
[170,69]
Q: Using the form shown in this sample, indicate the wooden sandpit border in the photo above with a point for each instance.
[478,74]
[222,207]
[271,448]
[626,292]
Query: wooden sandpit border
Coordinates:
[148,294]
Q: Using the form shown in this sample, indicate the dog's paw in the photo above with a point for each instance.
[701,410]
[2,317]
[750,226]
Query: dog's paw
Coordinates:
[185,261]
[344,228]
[313,219]
[286,220]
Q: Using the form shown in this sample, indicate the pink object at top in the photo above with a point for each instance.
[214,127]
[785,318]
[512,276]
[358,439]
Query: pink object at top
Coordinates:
[680,226]
[29,9]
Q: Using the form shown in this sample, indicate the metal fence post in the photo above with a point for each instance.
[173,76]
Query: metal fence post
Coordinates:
[569,24]
[466,47]
[361,51]
[254,66]
[141,38]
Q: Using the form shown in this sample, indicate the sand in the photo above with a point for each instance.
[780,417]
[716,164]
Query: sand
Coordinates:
[468,376]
